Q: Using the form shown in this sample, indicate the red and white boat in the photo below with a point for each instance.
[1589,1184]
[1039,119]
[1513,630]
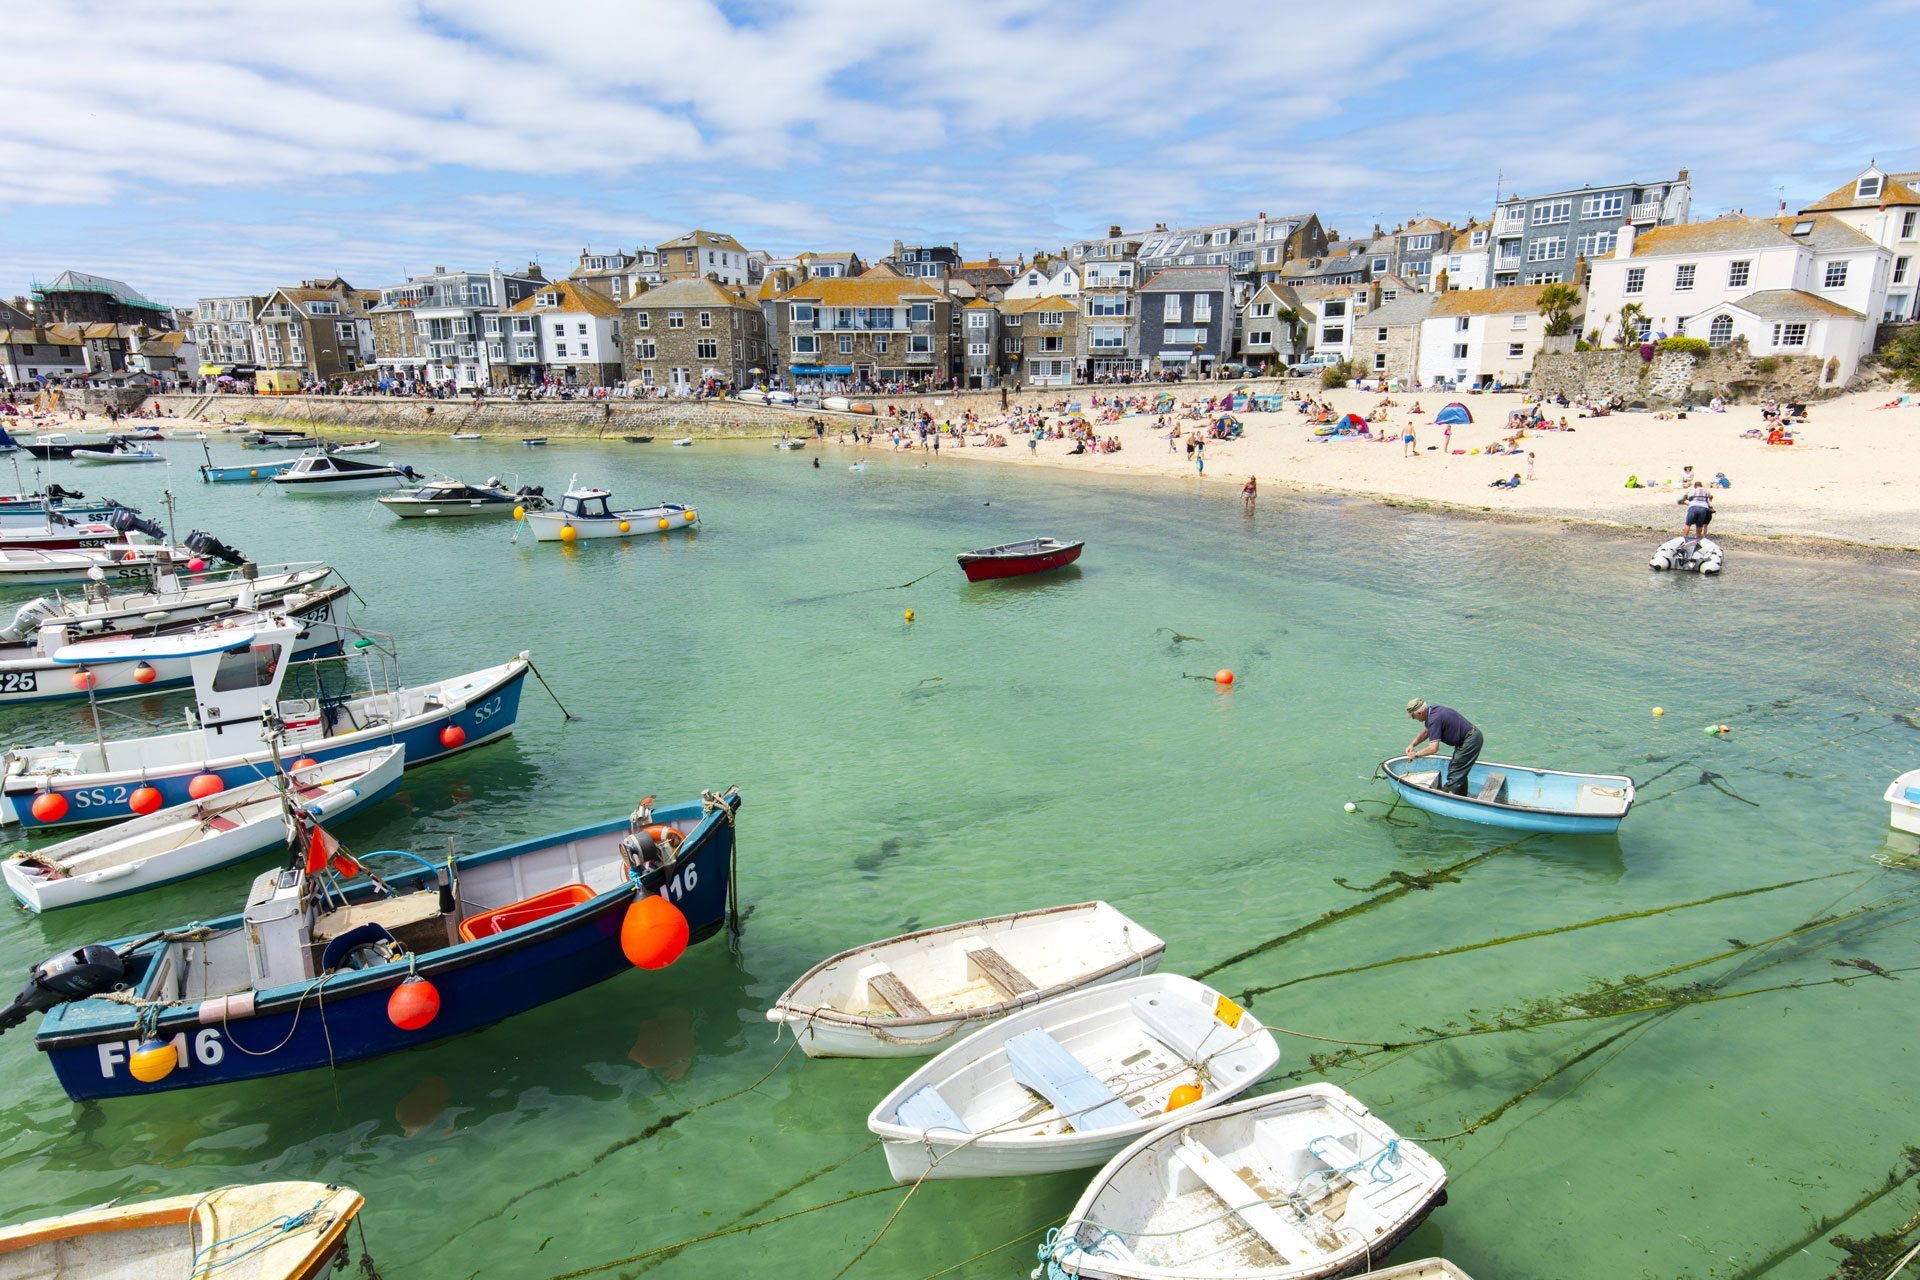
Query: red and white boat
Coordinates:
[1017,559]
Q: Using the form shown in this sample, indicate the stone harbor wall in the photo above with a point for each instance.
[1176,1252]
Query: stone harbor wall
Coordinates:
[1679,377]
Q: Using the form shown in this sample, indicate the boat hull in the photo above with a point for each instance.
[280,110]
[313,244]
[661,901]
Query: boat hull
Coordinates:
[1903,798]
[247,474]
[547,526]
[325,486]
[488,714]
[458,508]
[479,983]
[220,849]
[1557,789]
[98,456]
[988,568]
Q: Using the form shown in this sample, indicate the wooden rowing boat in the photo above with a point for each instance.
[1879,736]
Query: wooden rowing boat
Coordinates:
[1017,559]
[1515,796]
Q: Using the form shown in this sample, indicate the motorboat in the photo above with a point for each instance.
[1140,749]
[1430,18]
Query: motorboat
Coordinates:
[1069,1082]
[123,449]
[30,673]
[61,444]
[355,446]
[907,996]
[34,568]
[1688,555]
[274,438]
[535,442]
[638,439]
[61,533]
[257,1231]
[1017,559]
[32,508]
[243,473]
[1903,795]
[166,599]
[451,498]
[465,435]
[241,723]
[1306,1184]
[201,835]
[1515,796]
[587,513]
[439,948]
[323,473]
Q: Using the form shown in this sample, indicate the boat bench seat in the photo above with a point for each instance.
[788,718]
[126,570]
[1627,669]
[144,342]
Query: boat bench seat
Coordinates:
[999,970]
[1246,1203]
[885,983]
[1430,779]
[1045,1066]
[1591,797]
[924,1108]
[1181,1025]
[1494,789]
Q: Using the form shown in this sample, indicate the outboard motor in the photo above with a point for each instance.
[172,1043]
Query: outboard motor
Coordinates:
[205,544]
[530,491]
[26,623]
[408,471]
[128,520]
[73,975]
[58,493]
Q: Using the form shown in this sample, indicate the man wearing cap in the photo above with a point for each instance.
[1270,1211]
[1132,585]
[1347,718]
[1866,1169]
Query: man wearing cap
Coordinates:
[1443,725]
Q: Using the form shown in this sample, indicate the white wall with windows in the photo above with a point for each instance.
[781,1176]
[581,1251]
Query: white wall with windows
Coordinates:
[1480,350]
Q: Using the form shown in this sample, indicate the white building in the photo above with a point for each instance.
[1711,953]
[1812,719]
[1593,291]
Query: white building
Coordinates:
[562,332]
[1329,311]
[1469,262]
[48,351]
[1482,337]
[1054,280]
[1802,286]
[1884,207]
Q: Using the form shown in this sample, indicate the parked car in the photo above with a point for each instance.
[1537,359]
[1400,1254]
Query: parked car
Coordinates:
[1313,364]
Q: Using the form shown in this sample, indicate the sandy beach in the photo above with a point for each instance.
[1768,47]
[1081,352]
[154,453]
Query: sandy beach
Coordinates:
[1853,477]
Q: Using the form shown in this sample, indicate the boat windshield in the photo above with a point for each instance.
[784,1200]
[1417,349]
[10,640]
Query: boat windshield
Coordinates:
[589,507]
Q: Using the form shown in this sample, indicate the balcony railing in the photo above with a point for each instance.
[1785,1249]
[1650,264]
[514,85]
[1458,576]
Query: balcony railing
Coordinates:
[919,357]
[1645,211]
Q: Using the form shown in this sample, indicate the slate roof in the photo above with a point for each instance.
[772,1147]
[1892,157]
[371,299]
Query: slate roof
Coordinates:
[1183,279]
[1898,189]
[1792,304]
[702,240]
[1828,234]
[1507,300]
[690,293]
[1407,309]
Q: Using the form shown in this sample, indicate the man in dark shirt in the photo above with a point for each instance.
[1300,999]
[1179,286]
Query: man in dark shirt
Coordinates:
[1444,726]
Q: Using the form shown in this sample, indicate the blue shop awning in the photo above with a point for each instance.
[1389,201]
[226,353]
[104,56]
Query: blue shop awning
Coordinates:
[818,370]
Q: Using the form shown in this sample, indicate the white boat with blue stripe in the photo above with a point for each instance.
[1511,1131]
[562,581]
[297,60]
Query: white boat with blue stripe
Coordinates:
[588,513]
[1515,796]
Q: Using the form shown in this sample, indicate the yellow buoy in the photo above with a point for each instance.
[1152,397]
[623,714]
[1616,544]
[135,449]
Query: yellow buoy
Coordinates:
[1659,711]
[625,527]
[519,513]
[153,1061]
[568,533]
[909,615]
[1183,1096]
[691,517]
[665,524]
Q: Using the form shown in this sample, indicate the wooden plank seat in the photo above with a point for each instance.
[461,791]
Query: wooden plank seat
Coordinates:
[1247,1204]
[886,984]
[999,970]
[1045,1066]
[926,1109]
[1494,789]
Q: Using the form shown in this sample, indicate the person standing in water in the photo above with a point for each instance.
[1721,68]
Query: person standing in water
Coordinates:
[1699,504]
[1443,726]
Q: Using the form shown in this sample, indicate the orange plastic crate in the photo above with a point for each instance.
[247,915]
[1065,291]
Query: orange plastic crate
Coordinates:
[525,911]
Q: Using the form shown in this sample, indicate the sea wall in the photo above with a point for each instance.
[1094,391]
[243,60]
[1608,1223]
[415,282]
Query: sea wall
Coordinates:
[1677,377]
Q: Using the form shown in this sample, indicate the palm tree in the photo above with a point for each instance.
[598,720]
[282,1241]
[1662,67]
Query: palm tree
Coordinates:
[1556,303]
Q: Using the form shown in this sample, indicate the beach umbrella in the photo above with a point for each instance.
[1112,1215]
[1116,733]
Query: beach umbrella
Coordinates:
[1454,414]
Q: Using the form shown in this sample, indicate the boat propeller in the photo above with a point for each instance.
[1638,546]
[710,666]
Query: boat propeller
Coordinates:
[71,975]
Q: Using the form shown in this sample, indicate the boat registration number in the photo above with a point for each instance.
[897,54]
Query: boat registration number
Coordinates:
[1228,1012]
[208,1050]
[19,682]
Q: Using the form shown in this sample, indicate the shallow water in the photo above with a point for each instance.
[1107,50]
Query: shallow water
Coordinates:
[1034,742]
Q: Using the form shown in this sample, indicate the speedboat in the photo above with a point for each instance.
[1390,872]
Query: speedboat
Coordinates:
[164,601]
[275,438]
[201,835]
[1017,559]
[1301,1185]
[449,498]
[59,533]
[586,513]
[32,508]
[1069,1082]
[122,450]
[1515,796]
[322,473]
[242,724]
[1688,555]
[258,1231]
[61,444]
[116,563]
[444,947]
[905,997]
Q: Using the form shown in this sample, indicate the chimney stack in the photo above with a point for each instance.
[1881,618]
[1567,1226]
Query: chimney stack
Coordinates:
[1113,233]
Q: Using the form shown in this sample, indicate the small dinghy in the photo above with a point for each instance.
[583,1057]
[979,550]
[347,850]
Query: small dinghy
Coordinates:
[323,473]
[1515,796]
[261,1231]
[684,441]
[535,442]
[355,446]
[200,835]
[836,404]
[904,997]
[586,513]
[752,395]
[638,439]
[123,450]
[1904,797]
[1068,1083]
[465,435]
[1300,1185]
[1017,559]
[789,443]
[1688,555]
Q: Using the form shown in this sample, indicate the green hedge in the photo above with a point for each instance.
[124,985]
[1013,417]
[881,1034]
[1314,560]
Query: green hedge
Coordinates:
[1696,346]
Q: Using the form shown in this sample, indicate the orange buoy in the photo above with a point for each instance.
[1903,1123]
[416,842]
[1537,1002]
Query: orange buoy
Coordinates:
[49,806]
[305,762]
[1223,677]
[145,800]
[130,557]
[206,784]
[413,1004]
[452,736]
[153,1061]
[1183,1096]
[144,673]
[196,565]
[654,933]
[82,679]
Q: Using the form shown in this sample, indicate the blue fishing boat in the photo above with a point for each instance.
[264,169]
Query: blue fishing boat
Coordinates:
[241,722]
[315,972]
[1515,796]
[244,473]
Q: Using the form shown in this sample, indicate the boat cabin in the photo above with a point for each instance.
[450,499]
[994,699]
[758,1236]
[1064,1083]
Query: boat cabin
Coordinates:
[587,504]
[326,464]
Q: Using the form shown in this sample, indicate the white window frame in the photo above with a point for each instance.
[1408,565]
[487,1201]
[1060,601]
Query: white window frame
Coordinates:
[1552,213]
[1789,334]
[1720,330]
[1610,205]
[1459,351]
[1683,276]
[1547,249]
[1830,279]
[1739,273]
[1635,282]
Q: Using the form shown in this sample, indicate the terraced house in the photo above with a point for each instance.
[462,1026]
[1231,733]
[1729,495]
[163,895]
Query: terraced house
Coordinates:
[1546,239]
[1187,319]
[685,332]
[1884,207]
[321,329]
[1109,318]
[223,330]
[870,329]
[706,255]
[562,333]
[445,326]
[1038,339]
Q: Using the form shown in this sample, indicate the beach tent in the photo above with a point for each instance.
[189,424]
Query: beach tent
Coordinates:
[1353,422]
[1453,415]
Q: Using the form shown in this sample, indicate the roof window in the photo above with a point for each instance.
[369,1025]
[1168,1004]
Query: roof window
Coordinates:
[1869,186]
[1803,227]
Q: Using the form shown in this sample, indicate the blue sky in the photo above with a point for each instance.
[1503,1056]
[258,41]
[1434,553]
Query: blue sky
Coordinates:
[205,147]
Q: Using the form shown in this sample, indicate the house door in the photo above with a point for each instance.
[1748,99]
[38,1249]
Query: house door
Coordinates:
[681,379]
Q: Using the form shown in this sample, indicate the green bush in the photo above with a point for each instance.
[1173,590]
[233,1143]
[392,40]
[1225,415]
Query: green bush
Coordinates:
[1581,344]
[1765,365]
[1693,346]
[1902,356]
[1335,376]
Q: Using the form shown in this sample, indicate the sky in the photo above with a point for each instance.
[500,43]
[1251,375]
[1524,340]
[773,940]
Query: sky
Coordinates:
[207,147]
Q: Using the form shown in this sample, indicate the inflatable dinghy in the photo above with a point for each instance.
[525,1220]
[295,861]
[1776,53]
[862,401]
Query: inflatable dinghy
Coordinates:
[1701,556]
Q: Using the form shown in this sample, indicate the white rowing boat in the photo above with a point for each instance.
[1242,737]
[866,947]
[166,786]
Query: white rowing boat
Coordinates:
[1301,1185]
[198,836]
[906,996]
[1067,1083]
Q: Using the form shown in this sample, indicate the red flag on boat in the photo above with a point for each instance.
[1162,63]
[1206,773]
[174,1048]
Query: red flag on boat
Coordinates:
[324,851]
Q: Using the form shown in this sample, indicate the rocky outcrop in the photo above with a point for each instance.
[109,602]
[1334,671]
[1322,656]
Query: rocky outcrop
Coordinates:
[1680,377]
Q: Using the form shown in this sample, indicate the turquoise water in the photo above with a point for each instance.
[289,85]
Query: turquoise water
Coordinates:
[1034,742]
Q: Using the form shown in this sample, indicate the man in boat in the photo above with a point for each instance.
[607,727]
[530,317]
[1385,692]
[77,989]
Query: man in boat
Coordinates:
[1444,726]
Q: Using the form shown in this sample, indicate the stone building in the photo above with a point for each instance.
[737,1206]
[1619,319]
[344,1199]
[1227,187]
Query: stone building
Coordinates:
[321,329]
[1386,340]
[706,255]
[1040,341]
[688,331]
[873,329]
[562,332]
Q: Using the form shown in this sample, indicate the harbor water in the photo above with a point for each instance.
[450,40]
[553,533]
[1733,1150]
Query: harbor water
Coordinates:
[1042,741]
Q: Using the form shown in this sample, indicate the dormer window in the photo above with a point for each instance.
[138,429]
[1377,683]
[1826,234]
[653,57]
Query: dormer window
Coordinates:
[1868,188]
[549,299]
[1803,227]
